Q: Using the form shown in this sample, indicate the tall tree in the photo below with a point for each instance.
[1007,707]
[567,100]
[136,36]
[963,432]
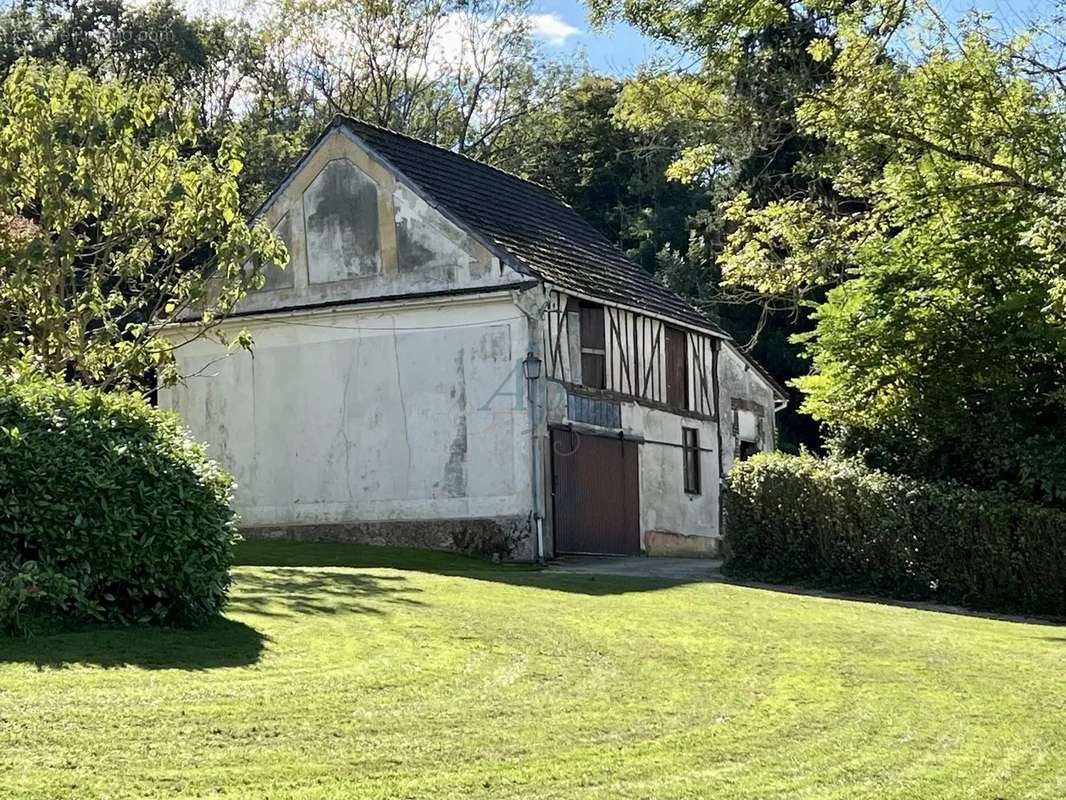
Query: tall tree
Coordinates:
[230,74]
[113,223]
[943,351]
[460,74]
[930,194]
[113,39]
[612,175]
[940,351]
[735,93]
[457,73]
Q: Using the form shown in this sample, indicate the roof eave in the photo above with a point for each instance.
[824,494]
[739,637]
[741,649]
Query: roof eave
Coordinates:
[771,381]
[297,167]
[680,323]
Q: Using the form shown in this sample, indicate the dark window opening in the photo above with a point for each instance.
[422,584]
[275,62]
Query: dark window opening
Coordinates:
[747,450]
[676,368]
[593,347]
[690,451]
[149,386]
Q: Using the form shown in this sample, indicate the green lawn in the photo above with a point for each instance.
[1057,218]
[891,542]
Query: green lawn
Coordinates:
[440,677]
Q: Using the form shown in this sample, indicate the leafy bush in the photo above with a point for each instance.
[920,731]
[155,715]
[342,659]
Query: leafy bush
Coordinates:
[838,524]
[31,596]
[107,512]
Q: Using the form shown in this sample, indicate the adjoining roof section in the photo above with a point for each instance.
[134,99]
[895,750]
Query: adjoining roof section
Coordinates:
[771,381]
[537,230]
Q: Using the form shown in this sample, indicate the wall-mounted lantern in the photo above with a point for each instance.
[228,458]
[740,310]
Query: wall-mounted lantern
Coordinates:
[531,367]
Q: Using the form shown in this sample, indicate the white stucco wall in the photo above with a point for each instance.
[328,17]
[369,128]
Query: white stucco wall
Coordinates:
[744,399]
[665,507]
[368,413]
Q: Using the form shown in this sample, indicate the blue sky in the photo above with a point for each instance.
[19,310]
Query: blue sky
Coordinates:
[564,26]
[616,51]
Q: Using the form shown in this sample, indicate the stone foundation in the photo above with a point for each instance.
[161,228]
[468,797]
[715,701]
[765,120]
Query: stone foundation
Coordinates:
[499,538]
[679,545]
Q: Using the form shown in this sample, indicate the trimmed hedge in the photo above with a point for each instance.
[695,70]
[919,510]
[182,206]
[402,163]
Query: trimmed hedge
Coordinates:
[840,525]
[108,512]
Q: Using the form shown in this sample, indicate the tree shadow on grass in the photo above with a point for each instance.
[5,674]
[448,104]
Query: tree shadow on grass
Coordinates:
[321,554]
[290,592]
[221,643]
[931,606]
[278,554]
[224,642]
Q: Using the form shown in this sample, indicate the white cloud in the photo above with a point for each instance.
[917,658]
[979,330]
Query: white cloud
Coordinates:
[552,28]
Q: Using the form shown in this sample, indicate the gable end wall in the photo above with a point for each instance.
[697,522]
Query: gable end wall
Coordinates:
[356,230]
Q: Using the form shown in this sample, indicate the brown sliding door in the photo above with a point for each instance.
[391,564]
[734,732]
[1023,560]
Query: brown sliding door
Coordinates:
[596,494]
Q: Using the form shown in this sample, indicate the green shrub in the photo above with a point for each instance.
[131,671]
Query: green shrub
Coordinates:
[838,524]
[32,597]
[107,512]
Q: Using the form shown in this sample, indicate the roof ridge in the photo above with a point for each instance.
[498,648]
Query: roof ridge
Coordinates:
[347,119]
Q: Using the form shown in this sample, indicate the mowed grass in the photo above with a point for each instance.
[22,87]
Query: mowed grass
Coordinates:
[350,672]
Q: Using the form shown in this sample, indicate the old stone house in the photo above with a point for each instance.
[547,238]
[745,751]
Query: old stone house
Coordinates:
[428,299]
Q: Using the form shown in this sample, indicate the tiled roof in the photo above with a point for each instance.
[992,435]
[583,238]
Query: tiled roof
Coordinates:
[528,223]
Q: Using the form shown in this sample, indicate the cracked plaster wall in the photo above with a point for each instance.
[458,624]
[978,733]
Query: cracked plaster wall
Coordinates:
[368,415]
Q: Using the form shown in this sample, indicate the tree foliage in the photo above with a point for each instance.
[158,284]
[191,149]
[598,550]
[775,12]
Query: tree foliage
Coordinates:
[112,224]
[735,92]
[737,88]
[228,73]
[114,39]
[941,357]
[930,182]
[942,351]
[462,74]
[612,175]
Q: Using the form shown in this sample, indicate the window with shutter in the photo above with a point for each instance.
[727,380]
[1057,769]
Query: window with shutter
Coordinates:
[593,347]
[676,368]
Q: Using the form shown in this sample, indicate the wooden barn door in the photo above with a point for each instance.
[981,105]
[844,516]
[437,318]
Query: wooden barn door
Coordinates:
[596,494]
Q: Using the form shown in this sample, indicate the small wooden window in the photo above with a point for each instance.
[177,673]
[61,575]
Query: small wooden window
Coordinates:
[676,368]
[747,450]
[593,347]
[690,451]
